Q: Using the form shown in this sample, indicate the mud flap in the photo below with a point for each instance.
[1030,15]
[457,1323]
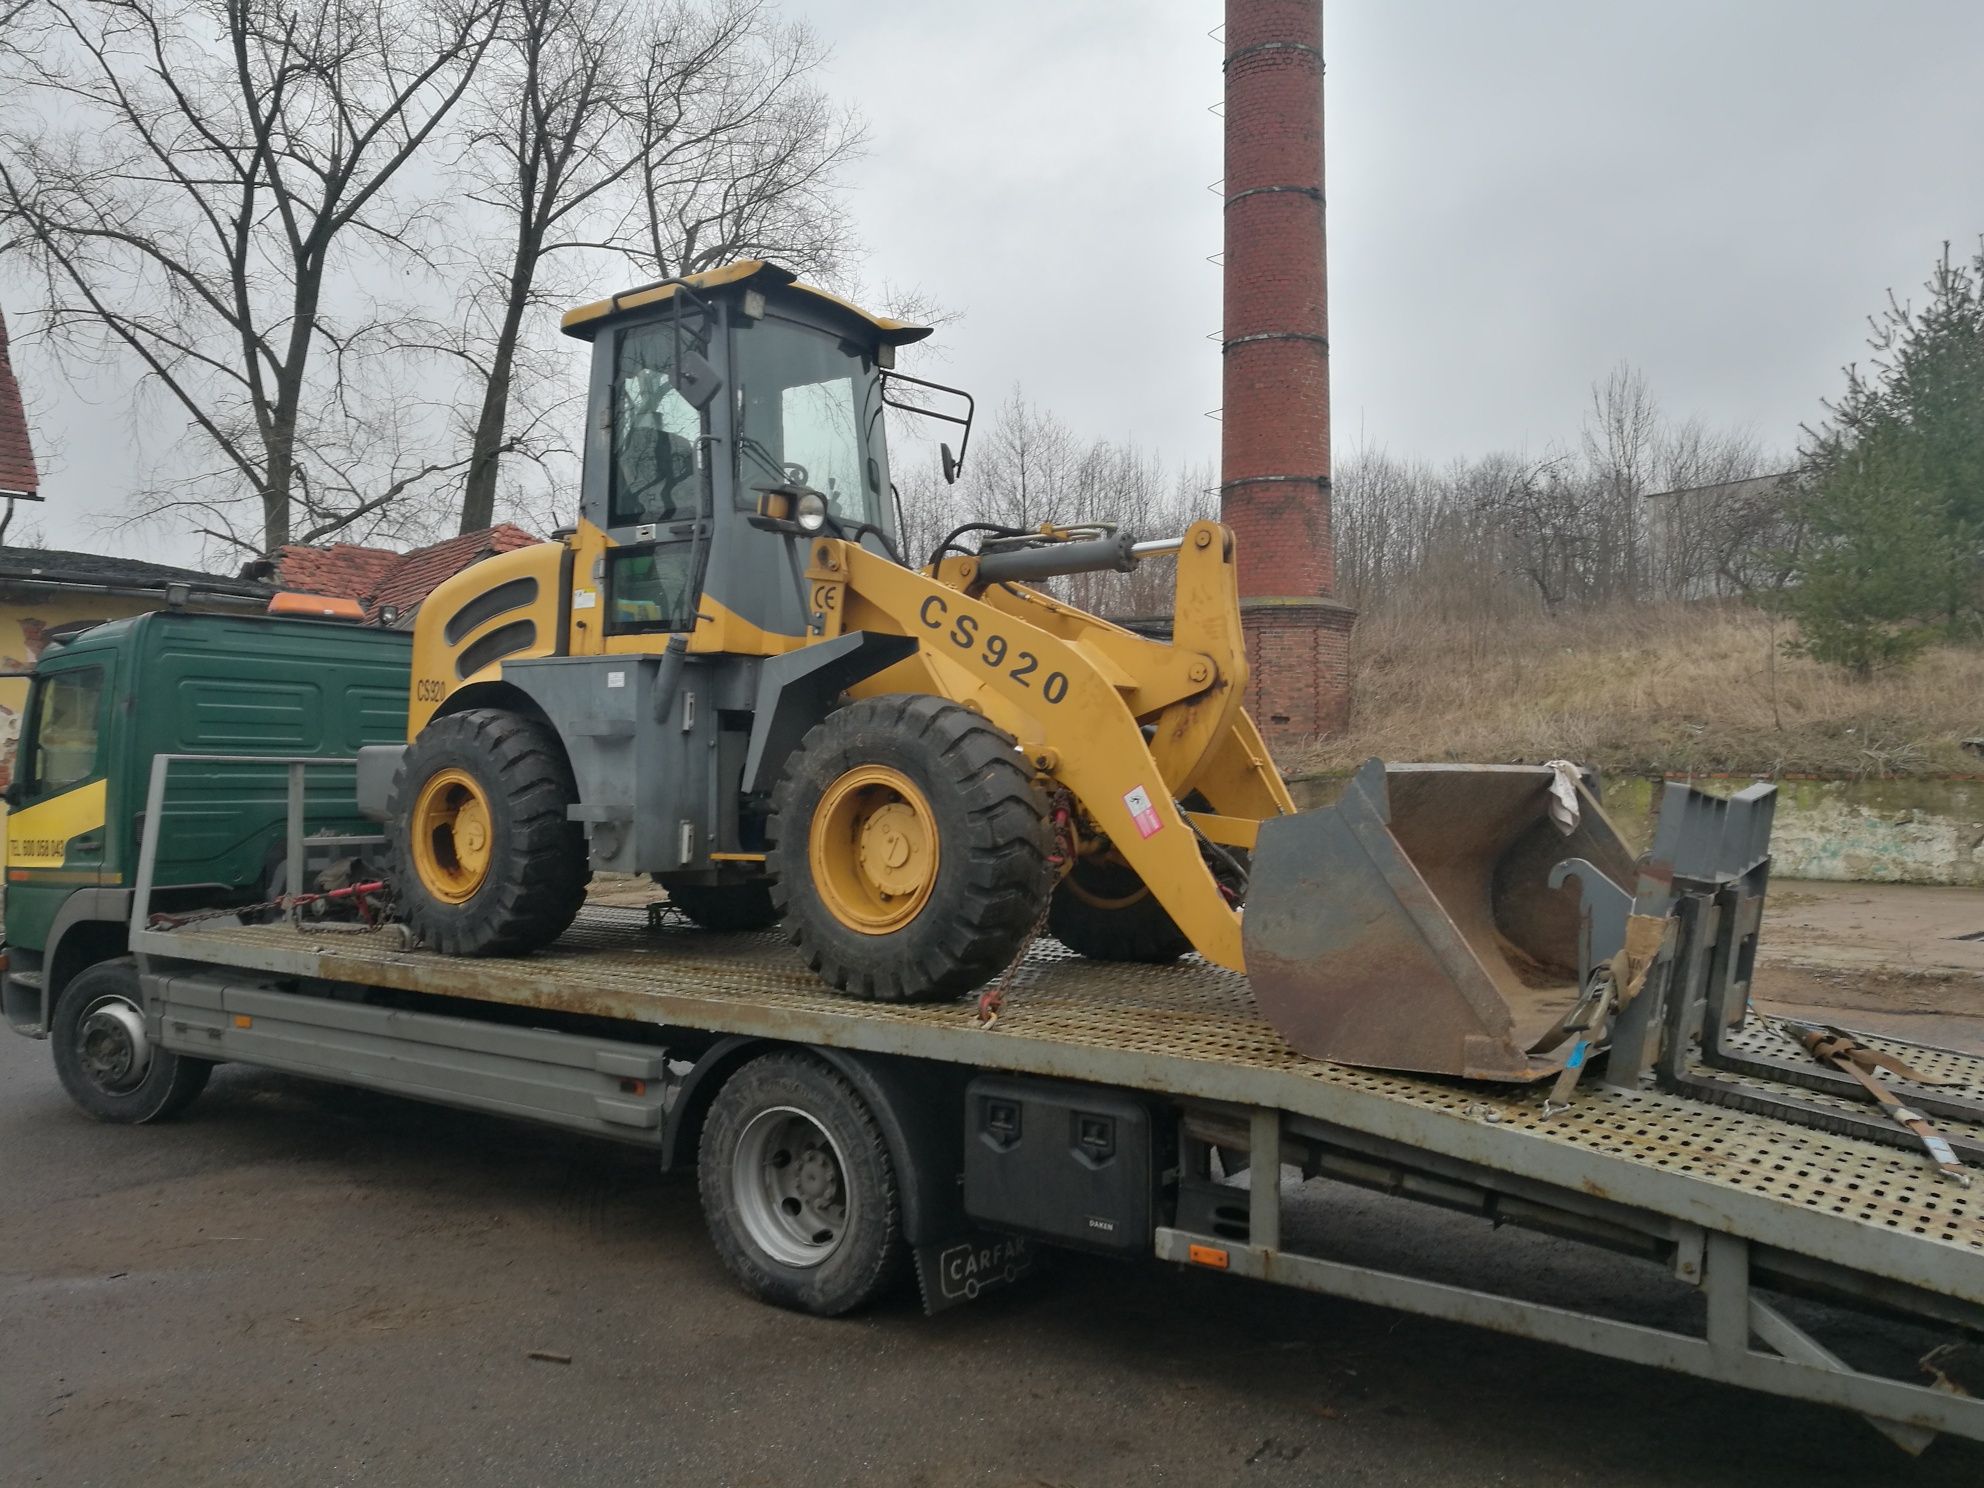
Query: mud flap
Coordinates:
[965,1267]
[1413,925]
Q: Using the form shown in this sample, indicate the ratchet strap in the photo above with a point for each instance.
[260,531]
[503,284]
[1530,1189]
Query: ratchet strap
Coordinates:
[1613,986]
[1841,1044]
[1846,1054]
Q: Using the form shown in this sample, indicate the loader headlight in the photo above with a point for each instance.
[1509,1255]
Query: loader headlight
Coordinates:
[810,511]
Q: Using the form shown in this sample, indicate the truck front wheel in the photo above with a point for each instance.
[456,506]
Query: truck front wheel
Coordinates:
[105,1058]
[798,1188]
[484,861]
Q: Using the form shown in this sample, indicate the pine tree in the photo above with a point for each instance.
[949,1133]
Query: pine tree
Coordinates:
[1892,499]
[1880,551]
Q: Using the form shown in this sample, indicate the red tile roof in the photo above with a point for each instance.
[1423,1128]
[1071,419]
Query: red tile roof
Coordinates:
[418,574]
[17,474]
[381,579]
[344,569]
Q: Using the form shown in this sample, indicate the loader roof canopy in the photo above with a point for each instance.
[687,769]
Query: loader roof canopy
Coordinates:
[586,321]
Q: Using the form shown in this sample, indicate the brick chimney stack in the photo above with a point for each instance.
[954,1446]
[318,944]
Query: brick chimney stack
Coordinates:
[1275,430]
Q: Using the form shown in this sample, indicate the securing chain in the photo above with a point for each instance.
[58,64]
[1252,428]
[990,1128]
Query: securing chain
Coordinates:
[1061,816]
[373,915]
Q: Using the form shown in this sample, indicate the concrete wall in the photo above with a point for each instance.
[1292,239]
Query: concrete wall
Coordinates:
[1925,831]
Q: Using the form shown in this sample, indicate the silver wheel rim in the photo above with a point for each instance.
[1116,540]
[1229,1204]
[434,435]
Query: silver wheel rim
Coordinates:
[111,1045]
[790,1183]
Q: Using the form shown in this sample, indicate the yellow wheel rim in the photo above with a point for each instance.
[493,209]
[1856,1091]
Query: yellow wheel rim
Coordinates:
[451,836]
[872,849]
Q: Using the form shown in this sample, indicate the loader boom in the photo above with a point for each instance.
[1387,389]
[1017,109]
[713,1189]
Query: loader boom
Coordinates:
[1078,693]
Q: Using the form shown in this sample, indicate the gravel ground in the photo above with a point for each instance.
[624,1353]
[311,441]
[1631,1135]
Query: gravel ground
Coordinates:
[297,1284]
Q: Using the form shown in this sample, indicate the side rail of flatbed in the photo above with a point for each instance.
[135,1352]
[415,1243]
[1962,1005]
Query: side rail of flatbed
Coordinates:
[1789,1240]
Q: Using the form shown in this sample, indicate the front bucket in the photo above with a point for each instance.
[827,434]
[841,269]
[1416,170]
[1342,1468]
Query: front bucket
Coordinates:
[1411,926]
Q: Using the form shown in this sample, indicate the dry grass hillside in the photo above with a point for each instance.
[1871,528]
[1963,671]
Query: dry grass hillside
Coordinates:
[1681,688]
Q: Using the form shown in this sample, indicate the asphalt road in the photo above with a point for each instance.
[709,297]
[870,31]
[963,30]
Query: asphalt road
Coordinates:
[300,1285]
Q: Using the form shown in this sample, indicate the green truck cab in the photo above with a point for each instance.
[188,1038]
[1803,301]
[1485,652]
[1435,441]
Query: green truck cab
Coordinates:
[105,701]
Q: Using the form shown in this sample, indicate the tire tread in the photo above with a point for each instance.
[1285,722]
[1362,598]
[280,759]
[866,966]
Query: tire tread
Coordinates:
[831,1289]
[543,867]
[953,947]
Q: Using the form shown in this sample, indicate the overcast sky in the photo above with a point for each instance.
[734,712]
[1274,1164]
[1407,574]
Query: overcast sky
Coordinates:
[1520,195]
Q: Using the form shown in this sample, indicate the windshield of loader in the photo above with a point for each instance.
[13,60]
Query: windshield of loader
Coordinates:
[811,414]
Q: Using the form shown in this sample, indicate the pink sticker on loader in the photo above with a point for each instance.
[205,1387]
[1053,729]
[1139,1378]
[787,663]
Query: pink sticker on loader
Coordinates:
[1147,819]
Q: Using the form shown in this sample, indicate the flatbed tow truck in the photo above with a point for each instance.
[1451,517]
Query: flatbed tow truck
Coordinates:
[1119,1108]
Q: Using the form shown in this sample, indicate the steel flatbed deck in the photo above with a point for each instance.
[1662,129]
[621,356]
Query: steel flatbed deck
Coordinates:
[1191,1031]
[1718,1196]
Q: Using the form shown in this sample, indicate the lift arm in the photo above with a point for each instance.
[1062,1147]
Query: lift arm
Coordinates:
[1062,683]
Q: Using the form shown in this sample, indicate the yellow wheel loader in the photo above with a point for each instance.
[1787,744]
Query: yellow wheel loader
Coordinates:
[729,676]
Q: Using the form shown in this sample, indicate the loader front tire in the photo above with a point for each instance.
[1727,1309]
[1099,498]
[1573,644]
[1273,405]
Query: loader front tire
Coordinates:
[910,849]
[484,861]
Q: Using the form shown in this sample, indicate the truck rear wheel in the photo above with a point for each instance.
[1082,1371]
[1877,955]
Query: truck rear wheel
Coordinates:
[105,1058]
[484,861]
[798,1188]
[733,907]
[910,849]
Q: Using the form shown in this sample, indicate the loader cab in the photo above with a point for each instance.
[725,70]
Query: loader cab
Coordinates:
[718,405]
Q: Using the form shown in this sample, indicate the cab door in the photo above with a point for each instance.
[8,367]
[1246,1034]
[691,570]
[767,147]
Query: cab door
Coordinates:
[656,490]
[56,833]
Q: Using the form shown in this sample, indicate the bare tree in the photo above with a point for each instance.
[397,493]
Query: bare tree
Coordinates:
[544,143]
[198,185]
[1708,514]
[930,508]
[1028,467]
[741,152]
[652,141]
[1022,466]
[1621,431]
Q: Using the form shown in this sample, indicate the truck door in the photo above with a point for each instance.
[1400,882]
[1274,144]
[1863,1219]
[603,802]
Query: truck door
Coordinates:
[59,799]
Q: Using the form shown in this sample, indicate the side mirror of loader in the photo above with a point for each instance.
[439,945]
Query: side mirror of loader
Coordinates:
[950,464]
[696,380]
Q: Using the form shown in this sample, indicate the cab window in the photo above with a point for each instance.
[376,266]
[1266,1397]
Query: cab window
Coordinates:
[810,413]
[650,588]
[59,749]
[656,433]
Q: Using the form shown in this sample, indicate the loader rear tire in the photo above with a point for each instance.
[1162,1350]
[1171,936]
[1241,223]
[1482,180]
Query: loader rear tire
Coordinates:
[910,849]
[730,907]
[1103,911]
[484,861]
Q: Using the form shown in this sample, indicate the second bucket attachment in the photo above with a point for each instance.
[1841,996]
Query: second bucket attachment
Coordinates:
[1412,925]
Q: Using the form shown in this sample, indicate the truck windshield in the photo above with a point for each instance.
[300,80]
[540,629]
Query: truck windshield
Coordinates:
[811,414]
[60,750]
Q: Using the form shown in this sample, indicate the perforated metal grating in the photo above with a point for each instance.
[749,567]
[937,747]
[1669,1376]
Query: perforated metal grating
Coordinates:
[1194,1026]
